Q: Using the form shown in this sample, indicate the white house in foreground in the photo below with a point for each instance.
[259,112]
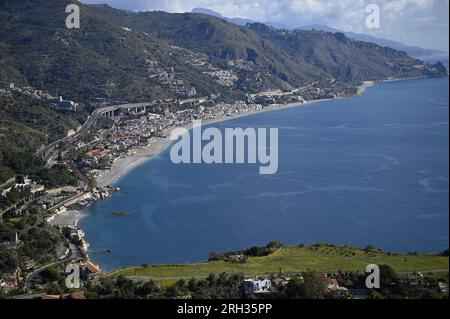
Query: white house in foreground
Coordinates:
[257,286]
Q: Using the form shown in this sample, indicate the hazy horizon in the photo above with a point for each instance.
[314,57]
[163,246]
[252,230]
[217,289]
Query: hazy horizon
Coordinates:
[422,23]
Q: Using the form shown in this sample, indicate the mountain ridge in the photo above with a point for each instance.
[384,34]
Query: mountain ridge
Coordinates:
[137,56]
[414,51]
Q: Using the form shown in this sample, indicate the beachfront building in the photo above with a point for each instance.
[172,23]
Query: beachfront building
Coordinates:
[89,270]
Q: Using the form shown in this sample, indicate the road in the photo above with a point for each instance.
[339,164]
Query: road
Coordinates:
[8,183]
[48,150]
[98,112]
[76,255]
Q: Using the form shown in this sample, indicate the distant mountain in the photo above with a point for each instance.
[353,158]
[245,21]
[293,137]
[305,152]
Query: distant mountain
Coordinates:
[145,56]
[416,52]
[238,21]
[139,56]
[319,27]
[100,60]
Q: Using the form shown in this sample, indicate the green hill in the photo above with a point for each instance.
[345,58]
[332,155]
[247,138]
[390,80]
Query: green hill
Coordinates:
[25,125]
[322,258]
[291,56]
[108,56]
[124,56]
[98,60]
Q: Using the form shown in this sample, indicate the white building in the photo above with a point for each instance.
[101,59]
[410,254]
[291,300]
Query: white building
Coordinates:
[22,181]
[257,286]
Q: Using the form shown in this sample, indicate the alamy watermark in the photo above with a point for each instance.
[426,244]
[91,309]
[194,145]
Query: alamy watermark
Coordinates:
[373,16]
[373,279]
[238,146]
[73,19]
[73,277]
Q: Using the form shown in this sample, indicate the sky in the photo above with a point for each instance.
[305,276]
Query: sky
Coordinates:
[423,23]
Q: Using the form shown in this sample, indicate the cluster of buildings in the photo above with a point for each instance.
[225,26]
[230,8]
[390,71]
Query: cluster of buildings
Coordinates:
[24,182]
[10,282]
[334,289]
[168,77]
[64,105]
[331,286]
[182,91]
[84,200]
[88,271]
[300,95]
[226,109]
[241,64]
[73,233]
[134,130]
[224,77]
[28,190]
[7,88]
[160,74]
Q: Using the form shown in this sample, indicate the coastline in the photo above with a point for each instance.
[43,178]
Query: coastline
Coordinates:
[123,165]
[68,218]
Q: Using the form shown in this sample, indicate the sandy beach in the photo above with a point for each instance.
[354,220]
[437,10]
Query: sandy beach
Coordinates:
[123,165]
[70,217]
[362,88]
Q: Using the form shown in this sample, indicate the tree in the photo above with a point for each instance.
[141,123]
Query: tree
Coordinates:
[390,282]
[275,244]
[294,288]
[215,256]
[257,251]
[148,288]
[8,261]
[311,286]
[314,285]
[50,275]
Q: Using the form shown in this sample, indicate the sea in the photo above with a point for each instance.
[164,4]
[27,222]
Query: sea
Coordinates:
[368,170]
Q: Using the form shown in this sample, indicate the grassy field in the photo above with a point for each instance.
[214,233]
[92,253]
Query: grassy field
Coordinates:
[294,259]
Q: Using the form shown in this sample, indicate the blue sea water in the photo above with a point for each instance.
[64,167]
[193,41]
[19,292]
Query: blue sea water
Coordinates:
[363,170]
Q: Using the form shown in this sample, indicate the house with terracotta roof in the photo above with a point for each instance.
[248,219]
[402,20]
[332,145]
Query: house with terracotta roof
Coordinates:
[89,270]
[94,269]
[74,295]
[333,285]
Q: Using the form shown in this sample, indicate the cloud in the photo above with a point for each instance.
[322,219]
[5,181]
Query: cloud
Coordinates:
[415,22]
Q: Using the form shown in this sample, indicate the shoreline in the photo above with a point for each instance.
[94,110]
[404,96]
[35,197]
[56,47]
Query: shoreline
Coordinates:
[124,165]
[68,218]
